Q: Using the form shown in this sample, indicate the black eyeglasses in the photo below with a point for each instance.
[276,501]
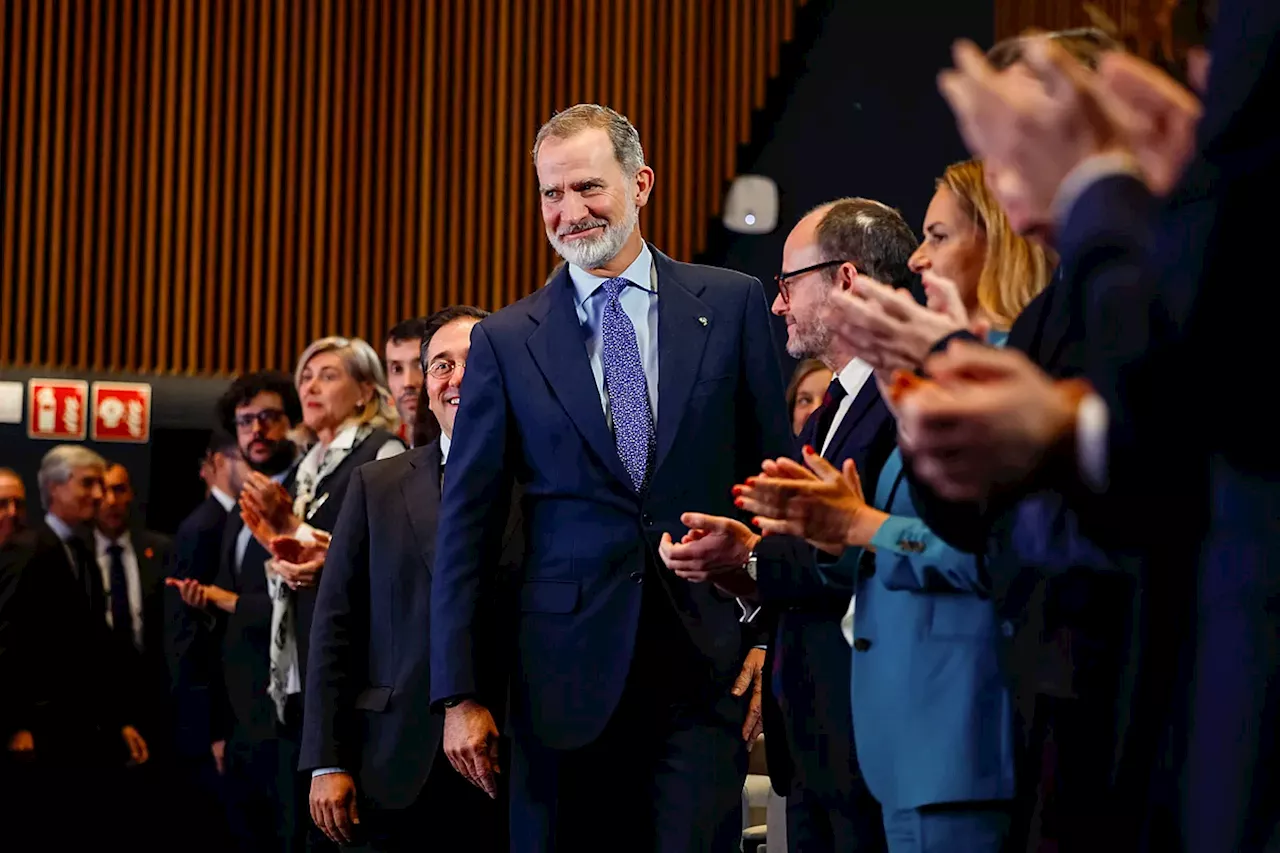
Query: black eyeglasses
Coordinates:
[782,278]
[264,418]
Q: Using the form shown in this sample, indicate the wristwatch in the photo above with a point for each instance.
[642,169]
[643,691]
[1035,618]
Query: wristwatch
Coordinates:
[750,565]
[454,701]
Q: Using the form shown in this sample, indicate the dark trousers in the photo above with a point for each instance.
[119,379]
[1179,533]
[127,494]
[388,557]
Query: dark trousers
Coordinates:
[665,775]
[266,796]
[198,801]
[853,824]
[1065,778]
[77,794]
[449,814]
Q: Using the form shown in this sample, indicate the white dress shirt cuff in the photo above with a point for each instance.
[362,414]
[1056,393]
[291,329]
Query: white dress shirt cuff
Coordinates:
[326,771]
[1092,423]
[308,535]
[1087,173]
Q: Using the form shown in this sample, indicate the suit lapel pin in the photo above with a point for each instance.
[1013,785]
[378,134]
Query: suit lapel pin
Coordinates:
[148,553]
[702,320]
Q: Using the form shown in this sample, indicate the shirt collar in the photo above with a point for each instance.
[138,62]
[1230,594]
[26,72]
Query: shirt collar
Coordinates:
[854,375]
[445,441]
[640,273]
[101,541]
[60,527]
[345,439]
[227,502]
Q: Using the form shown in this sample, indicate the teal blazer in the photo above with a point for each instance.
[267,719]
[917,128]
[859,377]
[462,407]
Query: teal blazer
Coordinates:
[932,711]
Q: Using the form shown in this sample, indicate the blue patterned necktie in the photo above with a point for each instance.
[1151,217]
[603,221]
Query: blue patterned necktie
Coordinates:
[628,390]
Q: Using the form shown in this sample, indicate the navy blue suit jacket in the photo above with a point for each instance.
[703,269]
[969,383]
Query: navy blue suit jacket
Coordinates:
[806,703]
[532,414]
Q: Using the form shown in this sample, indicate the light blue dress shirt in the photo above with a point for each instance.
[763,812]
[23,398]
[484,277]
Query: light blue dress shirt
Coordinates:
[640,302]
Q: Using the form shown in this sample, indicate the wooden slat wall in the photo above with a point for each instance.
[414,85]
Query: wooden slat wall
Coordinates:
[1015,16]
[204,186]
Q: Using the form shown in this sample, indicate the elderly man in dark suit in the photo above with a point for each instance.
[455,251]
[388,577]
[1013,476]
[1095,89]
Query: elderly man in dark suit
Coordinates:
[379,777]
[629,388]
[67,714]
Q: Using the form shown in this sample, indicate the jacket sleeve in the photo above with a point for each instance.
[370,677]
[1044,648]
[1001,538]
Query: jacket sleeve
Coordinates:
[473,509]
[339,636]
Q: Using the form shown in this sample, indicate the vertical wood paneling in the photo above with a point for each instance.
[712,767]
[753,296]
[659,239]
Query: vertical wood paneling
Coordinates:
[204,186]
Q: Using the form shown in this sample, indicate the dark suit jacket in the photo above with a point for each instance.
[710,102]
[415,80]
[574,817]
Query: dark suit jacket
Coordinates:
[55,647]
[238,681]
[533,415]
[808,725]
[196,551]
[240,696]
[147,667]
[368,677]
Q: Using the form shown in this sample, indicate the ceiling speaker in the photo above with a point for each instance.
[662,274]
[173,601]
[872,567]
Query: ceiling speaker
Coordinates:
[752,205]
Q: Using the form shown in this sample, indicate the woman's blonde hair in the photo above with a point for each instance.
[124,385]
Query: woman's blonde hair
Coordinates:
[364,366]
[1015,269]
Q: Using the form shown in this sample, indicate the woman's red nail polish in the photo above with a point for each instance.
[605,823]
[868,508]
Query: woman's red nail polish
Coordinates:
[808,448]
[739,503]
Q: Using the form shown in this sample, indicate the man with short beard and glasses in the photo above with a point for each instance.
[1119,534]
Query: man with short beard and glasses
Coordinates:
[255,752]
[628,388]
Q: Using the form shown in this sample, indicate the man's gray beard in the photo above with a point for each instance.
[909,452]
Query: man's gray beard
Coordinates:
[816,342]
[596,252]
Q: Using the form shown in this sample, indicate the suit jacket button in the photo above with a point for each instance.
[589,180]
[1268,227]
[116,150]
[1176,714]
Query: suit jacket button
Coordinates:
[861,644]
[637,576]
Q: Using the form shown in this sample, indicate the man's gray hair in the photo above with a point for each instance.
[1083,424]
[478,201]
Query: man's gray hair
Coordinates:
[625,138]
[871,235]
[59,463]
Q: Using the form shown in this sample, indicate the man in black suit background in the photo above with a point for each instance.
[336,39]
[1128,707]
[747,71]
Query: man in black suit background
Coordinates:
[195,553]
[255,751]
[66,716]
[130,560]
[379,775]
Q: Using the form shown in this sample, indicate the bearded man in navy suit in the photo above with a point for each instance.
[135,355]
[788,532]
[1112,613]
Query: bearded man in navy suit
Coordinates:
[627,389]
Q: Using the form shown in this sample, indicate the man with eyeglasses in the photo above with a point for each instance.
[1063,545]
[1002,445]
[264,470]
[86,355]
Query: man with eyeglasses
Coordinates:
[13,505]
[254,752]
[807,716]
[379,776]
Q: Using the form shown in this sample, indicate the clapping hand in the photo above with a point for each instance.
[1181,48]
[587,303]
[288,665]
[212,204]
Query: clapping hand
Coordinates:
[267,509]
[988,422]
[889,329]
[819,503]
[202,596]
